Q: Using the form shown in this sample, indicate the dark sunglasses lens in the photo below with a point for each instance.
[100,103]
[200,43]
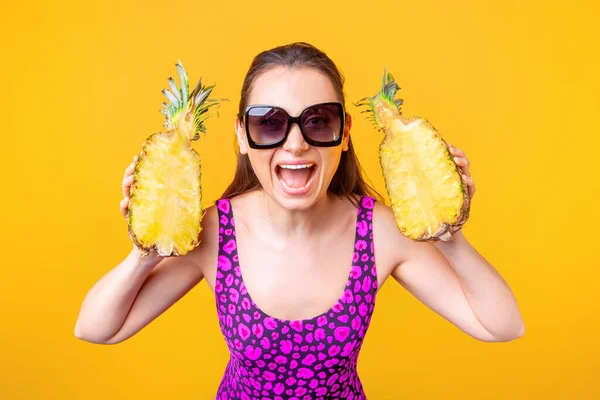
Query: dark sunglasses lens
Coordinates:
[322,123]
[266,125]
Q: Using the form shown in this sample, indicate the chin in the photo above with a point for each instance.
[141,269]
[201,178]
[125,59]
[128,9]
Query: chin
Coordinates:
[295,203]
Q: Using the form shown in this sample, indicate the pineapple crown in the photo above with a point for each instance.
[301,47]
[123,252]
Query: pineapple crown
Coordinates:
[186,111]
[382,106]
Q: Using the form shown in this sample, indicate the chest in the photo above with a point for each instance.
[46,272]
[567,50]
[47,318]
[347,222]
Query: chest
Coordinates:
[296,279]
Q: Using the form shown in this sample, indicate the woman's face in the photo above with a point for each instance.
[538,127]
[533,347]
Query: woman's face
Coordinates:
[294,189]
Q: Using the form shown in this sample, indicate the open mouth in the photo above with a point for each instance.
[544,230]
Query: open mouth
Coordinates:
[296,178]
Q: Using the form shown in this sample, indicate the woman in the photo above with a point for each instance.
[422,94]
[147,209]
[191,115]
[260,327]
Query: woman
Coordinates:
[289,250]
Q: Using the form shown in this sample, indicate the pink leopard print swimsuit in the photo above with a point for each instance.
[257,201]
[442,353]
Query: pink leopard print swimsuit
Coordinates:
[311,359]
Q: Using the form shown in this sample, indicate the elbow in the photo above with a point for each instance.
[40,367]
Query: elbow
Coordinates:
[86,337]
[79,334]
[509,336]
[91,337]
[519,332]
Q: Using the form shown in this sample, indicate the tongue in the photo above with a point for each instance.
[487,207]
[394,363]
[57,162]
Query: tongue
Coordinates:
[295,178]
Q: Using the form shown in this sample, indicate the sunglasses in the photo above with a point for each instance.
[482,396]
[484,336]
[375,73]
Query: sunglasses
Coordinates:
[269,126]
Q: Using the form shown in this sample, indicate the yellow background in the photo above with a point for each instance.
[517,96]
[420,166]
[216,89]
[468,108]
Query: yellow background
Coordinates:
[514,84]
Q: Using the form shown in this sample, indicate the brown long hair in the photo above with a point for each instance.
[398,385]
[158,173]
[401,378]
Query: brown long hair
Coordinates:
[348,179]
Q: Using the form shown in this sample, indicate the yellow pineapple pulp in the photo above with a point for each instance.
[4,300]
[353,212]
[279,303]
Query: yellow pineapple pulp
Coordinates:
[428,197]
[165,206]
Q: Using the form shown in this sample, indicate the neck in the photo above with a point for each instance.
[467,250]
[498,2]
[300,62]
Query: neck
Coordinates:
[288,223]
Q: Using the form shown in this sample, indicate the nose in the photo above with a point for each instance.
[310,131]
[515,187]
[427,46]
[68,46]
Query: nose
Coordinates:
[295,142]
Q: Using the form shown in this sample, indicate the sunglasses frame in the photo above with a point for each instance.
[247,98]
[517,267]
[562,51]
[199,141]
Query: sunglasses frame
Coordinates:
[295,120]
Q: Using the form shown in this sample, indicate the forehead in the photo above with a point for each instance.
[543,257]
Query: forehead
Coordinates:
[292,90]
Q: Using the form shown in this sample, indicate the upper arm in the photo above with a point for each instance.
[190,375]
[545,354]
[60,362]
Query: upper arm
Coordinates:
[425,273]
[170,280]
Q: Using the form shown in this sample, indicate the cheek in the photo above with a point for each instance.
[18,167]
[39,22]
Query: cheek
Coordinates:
[261,164]
[331,159]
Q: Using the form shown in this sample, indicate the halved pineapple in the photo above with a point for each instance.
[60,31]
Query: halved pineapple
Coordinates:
[165,205]
[429,199]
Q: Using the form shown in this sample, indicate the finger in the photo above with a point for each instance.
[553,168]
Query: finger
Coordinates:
[129,169]
[127,185]
[123,206]
[470,185]
[464,165]
[458,152]
[462,162]
[468,179]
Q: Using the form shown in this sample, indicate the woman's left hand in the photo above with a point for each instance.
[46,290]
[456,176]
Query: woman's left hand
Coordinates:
[461,160]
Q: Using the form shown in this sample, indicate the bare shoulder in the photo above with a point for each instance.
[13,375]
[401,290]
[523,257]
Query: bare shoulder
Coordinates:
[396,253]
[391,247]
[206,253]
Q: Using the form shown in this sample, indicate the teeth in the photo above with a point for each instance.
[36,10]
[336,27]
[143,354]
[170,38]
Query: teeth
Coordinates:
[300,166]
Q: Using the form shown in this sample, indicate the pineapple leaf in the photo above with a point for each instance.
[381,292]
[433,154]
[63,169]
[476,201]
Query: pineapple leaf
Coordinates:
[389,88]
[206,108]
[202,95]
[183,80]
[171,98]
[382,100]
[197,88]
[174,89]
[168,107]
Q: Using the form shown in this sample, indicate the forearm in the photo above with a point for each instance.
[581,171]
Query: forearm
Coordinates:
[489,295]
[108,302]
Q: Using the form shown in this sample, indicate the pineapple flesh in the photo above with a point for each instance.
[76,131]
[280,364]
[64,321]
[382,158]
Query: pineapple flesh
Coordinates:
[428,196]
[165,205]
